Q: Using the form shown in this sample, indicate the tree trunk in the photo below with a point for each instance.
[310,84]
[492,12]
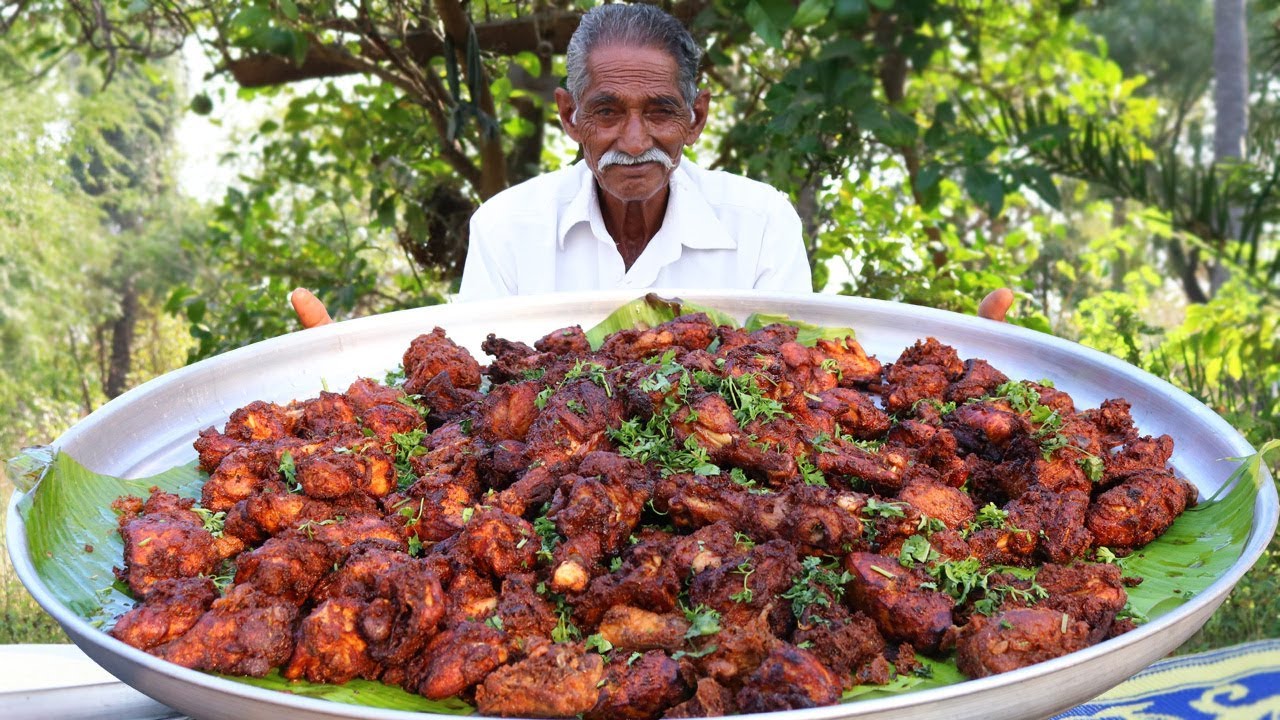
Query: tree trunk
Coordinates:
[1230,102]
[122,341]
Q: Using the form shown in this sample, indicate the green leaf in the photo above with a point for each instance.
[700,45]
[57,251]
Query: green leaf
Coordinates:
[289,9]
[770,18]
[1039,180]
[851,11]
[650,311]
[811,13]
[809,333]
[986,188]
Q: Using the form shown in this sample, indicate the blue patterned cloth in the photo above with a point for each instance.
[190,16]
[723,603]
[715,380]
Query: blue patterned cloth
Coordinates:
[1236,683]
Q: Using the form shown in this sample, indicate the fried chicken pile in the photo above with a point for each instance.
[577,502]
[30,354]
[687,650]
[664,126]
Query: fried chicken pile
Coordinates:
[691,521]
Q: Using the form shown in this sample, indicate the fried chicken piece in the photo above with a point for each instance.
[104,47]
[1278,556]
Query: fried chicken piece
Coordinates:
[1092,592]
[893,597]
[1057,520]
[497,543]
[287,566]
[907,385]
[163,539]
[1139,509]
[271,510]
[750,585]
[241,473]
[930,352]
[789,678]
[809,369]
[534,488]
[347,530]
[329,647]
[565,341]
[704,548]
[949,504]
[1138,454]
[457,659]
[646,579]
[1017,638]
[446,402]
[514,360]
[692,332]
[696,501]
[364,468]
[632,629]
[821,520]
[212,446]
[390,419]
[710,699]
[358,573]
[855,412]
[573,423]
[853,365]
[638,689]
[842,641]
[986,430]
[403,612]
[365,394]
[775,334]
[841,460]
[596,511]
[1114,423]
[507,412]
[245,632]
[979,379]
[739,650]
[169,609]
[524,613]
[556,680]
[326,415]
[471,594]
[432,354]
[260,420]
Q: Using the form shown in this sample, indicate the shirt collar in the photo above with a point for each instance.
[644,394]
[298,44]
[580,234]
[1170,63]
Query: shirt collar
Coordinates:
[687,208]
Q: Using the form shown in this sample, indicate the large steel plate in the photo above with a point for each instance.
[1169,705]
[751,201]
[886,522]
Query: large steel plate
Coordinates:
[151,428]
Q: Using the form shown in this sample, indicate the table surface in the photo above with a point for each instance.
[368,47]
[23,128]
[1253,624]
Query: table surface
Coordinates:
[38,682]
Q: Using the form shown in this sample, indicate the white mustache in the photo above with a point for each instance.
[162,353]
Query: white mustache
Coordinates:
[653,154]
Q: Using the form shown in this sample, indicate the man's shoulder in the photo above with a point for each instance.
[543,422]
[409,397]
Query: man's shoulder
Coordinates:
[722,188]
[535,195]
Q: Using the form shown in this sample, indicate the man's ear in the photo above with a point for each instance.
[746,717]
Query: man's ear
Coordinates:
[566,107]
[701,104]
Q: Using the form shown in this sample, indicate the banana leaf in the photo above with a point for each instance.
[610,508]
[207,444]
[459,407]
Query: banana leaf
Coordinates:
[71,532]
[650,311]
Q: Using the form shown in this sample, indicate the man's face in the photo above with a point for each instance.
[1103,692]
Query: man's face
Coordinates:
[631,106]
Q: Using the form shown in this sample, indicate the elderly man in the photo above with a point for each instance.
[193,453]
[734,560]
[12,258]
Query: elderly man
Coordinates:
[634,213]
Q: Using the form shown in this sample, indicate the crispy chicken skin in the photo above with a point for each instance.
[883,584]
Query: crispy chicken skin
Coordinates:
[432,355]
[164,539]
[638,688]
[555,680]
[245,632]
[1017,638]
[690,521]
[1139,509]
[172,606]
[894,598]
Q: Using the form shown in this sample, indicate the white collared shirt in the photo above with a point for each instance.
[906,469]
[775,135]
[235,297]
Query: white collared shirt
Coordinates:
[720,231]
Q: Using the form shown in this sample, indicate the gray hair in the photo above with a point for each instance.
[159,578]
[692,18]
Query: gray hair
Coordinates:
[634,26]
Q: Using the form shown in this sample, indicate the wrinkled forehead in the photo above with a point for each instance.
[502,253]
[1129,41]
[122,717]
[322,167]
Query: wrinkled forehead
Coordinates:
[626,72]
